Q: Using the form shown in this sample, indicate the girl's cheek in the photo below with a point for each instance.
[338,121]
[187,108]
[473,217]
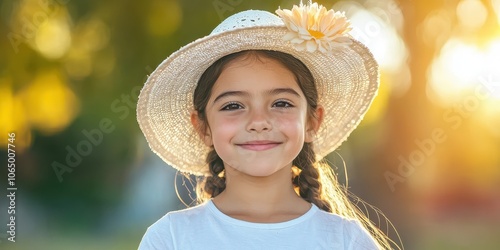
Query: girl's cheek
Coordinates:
[292,125]
[228,124]
[290,119]
[231,121]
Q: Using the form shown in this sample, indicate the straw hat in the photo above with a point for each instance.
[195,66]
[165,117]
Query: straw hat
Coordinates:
[345,72]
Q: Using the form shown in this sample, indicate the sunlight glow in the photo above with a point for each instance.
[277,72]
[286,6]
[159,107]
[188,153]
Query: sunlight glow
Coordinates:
[436,28]
[460,68]
[496,7]
[472,13]
[385,44]
[53,38]
[490,117]
[48,103]
[12,118]
[379,33]
[463,61]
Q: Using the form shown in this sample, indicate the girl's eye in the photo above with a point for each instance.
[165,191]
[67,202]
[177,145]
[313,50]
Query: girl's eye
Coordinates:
[282,104]
[231,106]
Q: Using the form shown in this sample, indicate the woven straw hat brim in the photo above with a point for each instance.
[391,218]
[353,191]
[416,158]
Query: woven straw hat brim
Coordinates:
[346,79]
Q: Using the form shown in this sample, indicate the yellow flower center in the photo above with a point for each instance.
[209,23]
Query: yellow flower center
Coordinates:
[316,34]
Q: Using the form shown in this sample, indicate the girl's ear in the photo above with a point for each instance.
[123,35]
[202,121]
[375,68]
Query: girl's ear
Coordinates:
[201,129]
[314,123]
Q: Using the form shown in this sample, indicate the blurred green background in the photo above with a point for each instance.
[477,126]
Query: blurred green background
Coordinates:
[427,153]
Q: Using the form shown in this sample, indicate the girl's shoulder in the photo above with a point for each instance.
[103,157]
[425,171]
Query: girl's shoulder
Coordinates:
[160,235]
[331,218]
[352,229]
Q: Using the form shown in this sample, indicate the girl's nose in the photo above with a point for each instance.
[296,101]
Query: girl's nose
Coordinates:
[259,121]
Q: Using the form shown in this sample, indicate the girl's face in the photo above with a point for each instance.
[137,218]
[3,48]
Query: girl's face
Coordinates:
[257,116]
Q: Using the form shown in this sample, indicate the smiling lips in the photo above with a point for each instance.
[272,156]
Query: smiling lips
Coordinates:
[259,145]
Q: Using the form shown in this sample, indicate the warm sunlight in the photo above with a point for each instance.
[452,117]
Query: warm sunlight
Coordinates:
[461,68]
[49,104]
[53,37]
[379,28]
[472,13]
[12,118]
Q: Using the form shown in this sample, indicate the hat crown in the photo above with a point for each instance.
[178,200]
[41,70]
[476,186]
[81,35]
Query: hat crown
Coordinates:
[248,18]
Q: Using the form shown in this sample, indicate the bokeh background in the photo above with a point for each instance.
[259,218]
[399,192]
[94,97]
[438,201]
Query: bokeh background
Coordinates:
[427,154]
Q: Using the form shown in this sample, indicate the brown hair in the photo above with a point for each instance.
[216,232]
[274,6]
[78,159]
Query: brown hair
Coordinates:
[314,181]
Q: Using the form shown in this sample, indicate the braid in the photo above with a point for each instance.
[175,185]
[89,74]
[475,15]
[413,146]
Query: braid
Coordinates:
[308,179]
[215,184]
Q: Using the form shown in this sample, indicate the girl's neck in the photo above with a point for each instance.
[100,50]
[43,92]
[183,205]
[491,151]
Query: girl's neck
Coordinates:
[260,199]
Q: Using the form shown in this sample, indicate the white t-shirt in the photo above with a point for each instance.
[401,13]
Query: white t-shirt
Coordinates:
[206,227]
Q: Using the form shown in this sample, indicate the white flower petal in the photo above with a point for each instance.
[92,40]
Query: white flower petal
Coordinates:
[289,36]
[297,40]
[343,39]
[322,49]
[300,46]
[311,46]
[303,32]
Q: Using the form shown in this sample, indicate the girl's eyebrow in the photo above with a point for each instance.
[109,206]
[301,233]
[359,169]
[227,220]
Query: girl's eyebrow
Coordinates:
[246,94]
[283,90]
[231,93]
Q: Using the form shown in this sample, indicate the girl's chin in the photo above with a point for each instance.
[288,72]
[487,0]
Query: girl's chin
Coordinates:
[262,171]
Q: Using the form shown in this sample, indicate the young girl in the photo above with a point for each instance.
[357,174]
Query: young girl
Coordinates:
[250,109]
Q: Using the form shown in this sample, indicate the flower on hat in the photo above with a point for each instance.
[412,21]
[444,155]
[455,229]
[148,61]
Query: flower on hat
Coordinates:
[312,27]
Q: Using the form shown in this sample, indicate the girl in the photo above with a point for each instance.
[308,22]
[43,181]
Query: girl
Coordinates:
[250,109]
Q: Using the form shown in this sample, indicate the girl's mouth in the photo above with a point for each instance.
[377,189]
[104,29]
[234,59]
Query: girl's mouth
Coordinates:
[259,145]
